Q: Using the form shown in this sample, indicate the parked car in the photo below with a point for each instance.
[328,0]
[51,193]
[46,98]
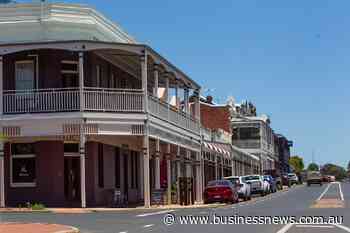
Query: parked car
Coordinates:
[257,184]
[326,179]
[331,178]
[220,191]
[293,178]
[314,177]
[285,180]
[272,182]
[243,187]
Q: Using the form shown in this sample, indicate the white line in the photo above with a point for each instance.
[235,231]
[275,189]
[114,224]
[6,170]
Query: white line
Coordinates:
[148,226]
[324,192]
[313,226]
[341,192]
[285,228]
[343,227]
[155,213]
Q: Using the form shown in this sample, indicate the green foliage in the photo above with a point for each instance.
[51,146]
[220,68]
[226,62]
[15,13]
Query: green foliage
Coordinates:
[334,170]
[297,163]
[313,167]
[38,206]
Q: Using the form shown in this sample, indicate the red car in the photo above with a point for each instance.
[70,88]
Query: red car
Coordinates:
[220,191]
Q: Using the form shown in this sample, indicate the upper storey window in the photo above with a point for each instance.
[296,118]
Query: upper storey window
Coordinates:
[24,72]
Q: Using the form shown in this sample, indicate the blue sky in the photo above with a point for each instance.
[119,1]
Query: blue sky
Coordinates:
[291,58]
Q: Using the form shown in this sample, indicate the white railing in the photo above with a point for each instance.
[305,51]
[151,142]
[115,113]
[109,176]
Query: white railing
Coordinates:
[169,113]
[113,100]
[44,100]
[68,99]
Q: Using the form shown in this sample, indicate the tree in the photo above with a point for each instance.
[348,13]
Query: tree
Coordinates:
[349,166]
[313,167]
[334,170]
[297,163]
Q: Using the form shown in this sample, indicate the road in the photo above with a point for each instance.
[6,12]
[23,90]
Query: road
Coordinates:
[297,201]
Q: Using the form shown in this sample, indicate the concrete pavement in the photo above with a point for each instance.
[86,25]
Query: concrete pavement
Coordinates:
[296,202]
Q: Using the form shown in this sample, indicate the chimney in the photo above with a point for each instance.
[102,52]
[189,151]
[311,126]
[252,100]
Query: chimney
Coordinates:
[209,99]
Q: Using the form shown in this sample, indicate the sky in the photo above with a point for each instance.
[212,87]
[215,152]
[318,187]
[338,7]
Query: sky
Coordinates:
[290,58]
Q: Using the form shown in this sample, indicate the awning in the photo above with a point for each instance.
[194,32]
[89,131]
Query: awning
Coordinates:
[221,148]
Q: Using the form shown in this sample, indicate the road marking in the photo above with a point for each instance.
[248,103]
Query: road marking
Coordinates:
[123,232]
[324,192]
[155,213]
[342,227]
[148,226]
[314,226]
[285,228]
[341,192]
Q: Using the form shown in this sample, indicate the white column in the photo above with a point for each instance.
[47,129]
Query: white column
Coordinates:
[233,168]
[145,144]
[199,178]
[2,176]
[167,80]
[177,93]
[197,105]
[186,99]
[82,167]
[141,164]
[146,182]
[81,81]
[1,85]
[144,78]
[188,164]
[168,165]
[222,167]
[178,172]
[216,167]
[157,165]
[156,80]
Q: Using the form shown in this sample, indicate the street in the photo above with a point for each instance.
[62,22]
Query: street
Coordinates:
[297,201]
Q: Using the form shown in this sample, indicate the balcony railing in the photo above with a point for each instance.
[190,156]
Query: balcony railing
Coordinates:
[68,99]
[41,100]
[169,113]
[95,100]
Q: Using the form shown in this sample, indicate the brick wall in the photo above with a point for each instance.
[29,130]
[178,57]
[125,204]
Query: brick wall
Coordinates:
[215,117]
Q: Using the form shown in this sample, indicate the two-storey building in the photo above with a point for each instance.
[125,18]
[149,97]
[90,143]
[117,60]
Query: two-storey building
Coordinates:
[254,135]
[86,110]
[221,157]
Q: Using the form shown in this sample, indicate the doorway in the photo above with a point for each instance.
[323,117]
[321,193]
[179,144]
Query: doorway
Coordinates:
[72,180]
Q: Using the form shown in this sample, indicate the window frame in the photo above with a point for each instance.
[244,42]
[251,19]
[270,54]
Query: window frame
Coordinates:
[21,184]
[28,61]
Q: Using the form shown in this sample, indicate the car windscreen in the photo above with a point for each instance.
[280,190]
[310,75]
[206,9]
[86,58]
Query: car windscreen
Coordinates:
[252,178]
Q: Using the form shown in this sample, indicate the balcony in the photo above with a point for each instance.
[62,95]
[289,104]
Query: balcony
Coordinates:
[68,100]
[95,100]
[247,144]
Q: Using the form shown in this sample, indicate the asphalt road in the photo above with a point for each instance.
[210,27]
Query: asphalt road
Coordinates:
[295,202]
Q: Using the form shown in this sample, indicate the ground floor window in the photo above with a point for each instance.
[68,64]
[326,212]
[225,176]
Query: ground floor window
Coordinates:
[23,165]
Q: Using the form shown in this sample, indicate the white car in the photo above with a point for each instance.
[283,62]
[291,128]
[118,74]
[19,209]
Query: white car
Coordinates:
[243,187]
[258,184]
[293,178]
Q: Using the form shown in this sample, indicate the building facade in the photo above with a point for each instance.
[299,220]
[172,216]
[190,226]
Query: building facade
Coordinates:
[87,110]
[221,157]
[283,150]
[254,135]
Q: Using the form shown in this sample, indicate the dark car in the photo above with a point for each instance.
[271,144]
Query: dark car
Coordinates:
[220,191]
[272,182]
[285,180]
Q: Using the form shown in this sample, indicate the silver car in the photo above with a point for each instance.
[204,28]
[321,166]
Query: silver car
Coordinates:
[243,187]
